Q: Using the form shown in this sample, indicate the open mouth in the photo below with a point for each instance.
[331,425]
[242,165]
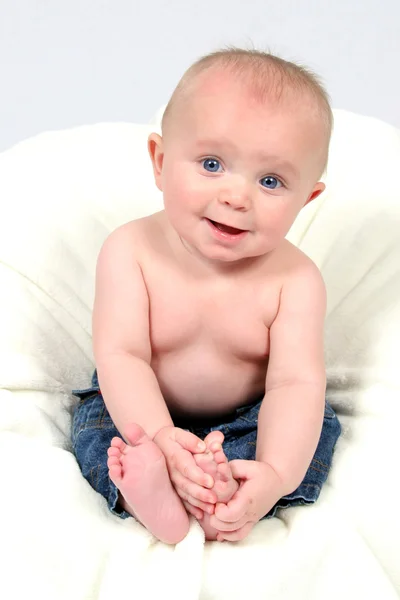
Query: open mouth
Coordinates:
[227,228]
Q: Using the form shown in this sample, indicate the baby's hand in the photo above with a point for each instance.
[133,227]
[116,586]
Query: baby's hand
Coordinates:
[259,491]
[192,485]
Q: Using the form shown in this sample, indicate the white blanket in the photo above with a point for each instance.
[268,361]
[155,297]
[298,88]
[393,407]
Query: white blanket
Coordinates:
[60,195]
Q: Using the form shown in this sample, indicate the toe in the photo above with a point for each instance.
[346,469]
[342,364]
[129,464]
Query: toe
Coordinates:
[224,472]
[206,462]
[225,484]
[135,435]
[113,451]
[117,442]
[203,458]
[214,437]
[112,461]
[220,457]
[115,472]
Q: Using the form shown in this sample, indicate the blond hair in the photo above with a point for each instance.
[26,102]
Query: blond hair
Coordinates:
[265,74]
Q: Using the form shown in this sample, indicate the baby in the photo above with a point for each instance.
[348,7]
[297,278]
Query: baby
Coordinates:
[207,323]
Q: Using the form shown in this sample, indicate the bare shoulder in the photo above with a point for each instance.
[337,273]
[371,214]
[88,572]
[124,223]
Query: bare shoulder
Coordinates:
[294,259]
[302,281]
[131,237]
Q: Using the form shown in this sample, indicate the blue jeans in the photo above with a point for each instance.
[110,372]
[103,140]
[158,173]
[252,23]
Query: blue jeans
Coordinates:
[93,430]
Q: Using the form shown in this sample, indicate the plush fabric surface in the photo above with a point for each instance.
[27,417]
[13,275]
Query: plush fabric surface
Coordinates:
[61,194]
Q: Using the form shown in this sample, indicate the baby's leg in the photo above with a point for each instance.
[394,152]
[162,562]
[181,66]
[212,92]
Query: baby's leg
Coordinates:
[140,473]
[215,463]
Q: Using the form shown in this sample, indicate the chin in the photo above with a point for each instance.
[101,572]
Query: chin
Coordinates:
[225,255]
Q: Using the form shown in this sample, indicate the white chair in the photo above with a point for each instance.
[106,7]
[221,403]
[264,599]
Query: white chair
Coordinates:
[61,193]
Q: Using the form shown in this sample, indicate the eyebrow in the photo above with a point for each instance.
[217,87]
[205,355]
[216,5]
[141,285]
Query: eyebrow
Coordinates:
[279,163]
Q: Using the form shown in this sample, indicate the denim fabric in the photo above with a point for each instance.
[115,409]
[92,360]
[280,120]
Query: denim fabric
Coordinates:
[93,430]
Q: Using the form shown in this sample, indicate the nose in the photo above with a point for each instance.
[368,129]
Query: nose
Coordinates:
[236,195]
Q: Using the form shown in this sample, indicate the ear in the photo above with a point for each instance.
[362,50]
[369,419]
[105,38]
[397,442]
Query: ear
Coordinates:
[318,189]
[156,151]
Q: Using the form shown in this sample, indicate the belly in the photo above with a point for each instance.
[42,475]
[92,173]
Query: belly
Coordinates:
[207,384]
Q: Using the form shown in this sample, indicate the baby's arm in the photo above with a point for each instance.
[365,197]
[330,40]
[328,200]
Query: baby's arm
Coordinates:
[291,414]
[122,349]
[121,338]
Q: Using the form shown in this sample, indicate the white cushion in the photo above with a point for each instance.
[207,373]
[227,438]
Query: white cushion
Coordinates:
[61,193]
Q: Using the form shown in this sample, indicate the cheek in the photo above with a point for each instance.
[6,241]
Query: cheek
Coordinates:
[184,187]
[276,216]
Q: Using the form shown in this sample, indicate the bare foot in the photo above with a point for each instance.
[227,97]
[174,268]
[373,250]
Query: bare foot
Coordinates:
[140,473]
[215,463]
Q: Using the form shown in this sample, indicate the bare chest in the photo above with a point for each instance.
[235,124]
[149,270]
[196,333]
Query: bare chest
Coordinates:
[228,319]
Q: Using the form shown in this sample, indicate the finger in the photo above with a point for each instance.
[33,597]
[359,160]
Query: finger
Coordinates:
[192,510]
[185,464]
[204,506]
[242,469]
[234,509]
[227,526]
[236,536]
[189,441]
[188,488]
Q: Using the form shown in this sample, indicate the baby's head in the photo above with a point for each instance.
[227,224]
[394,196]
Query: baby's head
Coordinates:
[245,140]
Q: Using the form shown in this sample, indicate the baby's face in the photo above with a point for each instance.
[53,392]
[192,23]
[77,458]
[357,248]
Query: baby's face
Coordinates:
[232,161]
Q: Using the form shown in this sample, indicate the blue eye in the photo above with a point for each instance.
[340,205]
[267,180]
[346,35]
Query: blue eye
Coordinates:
[271,183]
[211,164]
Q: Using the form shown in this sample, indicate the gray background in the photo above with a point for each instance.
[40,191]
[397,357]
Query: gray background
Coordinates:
[70,62]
